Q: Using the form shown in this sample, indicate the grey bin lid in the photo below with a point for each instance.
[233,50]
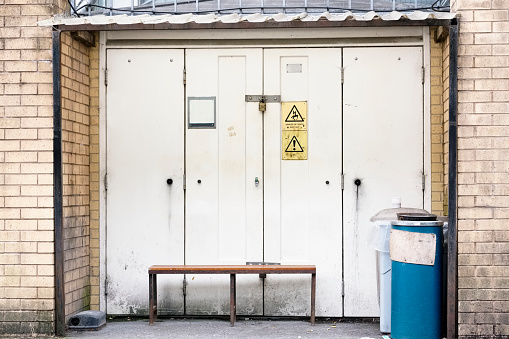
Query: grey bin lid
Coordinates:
[392,213]
[417,217]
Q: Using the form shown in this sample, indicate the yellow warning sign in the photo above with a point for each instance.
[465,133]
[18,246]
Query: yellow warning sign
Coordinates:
[294,115]
[295,145]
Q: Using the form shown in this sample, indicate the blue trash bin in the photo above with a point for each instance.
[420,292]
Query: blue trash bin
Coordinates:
[382,226]
[416,287]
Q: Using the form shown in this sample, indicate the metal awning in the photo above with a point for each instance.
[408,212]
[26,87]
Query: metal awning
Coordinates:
[257,20]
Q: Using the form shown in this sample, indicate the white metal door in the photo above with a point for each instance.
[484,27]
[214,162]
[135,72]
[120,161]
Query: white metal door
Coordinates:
[383,155]
[302,198]
[224,174]
[293,215]
[145,148]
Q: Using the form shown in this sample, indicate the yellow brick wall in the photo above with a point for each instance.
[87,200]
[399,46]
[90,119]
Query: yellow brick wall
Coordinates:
[75,157]
[26,168]
[483,169]
[445,100]
[94,176]
[437,128]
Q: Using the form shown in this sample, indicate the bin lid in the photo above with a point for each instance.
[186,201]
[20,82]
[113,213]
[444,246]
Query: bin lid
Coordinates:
[417,216]
[392,213]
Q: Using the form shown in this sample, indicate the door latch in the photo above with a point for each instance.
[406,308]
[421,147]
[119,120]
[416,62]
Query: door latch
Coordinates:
[263,100]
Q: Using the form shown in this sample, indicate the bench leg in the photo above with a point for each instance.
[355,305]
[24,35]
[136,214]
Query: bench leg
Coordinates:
[313,293]
[152,295]
[233,297]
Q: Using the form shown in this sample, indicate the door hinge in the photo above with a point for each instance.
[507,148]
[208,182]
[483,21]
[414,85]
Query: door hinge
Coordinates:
[184,76]
[105,77]
[343,288]
[184,181]
[423,178]
[423,74]
[106,182]
[342,75]
[342,181]
[105,286]
[184,286]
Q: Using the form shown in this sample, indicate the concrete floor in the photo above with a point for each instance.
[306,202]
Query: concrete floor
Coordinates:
[244,328]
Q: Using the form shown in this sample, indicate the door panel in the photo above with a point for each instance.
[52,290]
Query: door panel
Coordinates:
[224,211]
[383,148]
[302,223]
[145,147]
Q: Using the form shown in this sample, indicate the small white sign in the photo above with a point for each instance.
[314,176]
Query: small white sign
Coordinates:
[293,68]
[202,112]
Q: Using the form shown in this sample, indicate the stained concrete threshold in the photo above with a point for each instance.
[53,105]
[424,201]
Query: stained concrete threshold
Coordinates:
[244,328]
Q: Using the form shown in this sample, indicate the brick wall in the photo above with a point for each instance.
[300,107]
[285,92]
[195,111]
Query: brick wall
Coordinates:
[437,126]
[445,100]
[94,176]
[26,165]
[483,169]
[75,157]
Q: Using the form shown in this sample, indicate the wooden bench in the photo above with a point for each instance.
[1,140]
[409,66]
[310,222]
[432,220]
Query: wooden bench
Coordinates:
[232,270]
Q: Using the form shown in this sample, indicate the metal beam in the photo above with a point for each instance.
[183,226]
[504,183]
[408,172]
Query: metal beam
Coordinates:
[58,189]
[452,269]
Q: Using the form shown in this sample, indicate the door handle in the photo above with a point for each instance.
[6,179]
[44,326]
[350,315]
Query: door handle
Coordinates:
[169,181]
[257,182]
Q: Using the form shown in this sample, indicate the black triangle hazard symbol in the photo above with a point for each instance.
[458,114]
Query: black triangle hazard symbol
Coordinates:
[294,115]
[294,145]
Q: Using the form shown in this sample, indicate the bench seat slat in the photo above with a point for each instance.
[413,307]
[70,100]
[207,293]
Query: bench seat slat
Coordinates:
[231,269]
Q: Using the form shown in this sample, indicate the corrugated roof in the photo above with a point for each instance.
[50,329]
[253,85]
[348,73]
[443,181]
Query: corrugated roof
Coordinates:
[238,18]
